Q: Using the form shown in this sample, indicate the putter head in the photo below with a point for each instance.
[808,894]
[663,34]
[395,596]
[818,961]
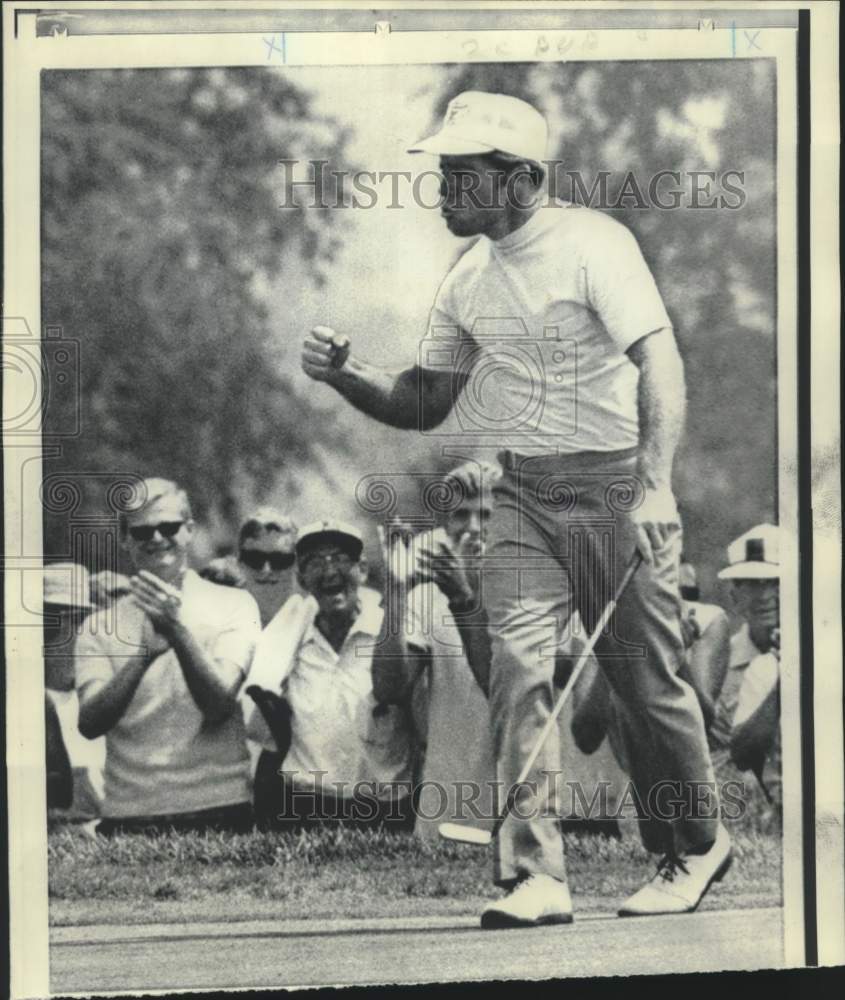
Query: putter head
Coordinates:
[465,834]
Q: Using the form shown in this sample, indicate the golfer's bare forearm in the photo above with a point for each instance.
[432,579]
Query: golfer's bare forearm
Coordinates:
[661,405]
[412,399]
[391,397]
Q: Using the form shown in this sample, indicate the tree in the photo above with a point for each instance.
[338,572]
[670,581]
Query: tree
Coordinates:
[161,224]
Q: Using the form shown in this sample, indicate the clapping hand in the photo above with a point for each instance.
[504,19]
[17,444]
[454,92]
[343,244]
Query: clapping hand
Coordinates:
[161,603]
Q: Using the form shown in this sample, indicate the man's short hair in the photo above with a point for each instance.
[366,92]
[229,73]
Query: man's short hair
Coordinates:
[474,478]
[149,492]
[265,519]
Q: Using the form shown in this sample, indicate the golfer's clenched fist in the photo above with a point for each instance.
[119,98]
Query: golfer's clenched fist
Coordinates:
[324,353]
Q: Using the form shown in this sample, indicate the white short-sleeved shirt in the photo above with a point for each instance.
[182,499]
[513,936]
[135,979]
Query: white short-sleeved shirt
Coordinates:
[162,757]
[550,311]
[760,678]
[752,675]
[337,726]
[459,744]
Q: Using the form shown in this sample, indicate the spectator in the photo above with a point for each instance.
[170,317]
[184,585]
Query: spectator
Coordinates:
[348,756]
[266,559]
[74,765]
[746,729]
[162,685]
[442,657]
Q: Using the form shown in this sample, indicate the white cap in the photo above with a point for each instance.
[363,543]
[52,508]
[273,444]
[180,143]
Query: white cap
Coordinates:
[754,555]
[478,122]
[338,532]
[67,584]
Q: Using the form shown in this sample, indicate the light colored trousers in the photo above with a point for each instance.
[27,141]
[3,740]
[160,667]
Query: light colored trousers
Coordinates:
[560,538]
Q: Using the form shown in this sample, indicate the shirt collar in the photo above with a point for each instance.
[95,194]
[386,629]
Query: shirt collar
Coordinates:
[367,623]
[537,223]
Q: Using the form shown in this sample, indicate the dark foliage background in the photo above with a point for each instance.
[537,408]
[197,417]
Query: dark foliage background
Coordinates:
[160,222]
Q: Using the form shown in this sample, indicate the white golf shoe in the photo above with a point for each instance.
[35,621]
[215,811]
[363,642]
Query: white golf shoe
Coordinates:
[680,883]
[533,901]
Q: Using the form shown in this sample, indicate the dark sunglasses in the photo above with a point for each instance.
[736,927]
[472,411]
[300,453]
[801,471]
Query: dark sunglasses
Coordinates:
[257,560]
[145,532]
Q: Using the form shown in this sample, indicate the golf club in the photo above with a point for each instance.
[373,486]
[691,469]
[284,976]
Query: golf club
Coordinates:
[474,835]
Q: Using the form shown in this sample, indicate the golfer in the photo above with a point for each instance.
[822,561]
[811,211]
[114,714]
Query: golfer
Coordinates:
[549,338]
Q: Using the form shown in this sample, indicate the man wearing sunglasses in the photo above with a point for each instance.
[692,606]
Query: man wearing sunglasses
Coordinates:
[266,559]
[158,675]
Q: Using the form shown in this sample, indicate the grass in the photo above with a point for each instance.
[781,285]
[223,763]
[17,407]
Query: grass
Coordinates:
[337,872]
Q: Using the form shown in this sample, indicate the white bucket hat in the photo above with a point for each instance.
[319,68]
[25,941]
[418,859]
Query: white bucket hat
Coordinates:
[67,584]
[478,122]
[754,555]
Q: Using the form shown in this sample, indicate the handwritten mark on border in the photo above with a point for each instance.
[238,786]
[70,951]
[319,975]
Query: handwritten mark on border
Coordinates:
[272,47]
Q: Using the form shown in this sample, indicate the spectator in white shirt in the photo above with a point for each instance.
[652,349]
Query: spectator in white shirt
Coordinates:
[348,759]
[266,568]
[162,685]
[746,729]
[266,559]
